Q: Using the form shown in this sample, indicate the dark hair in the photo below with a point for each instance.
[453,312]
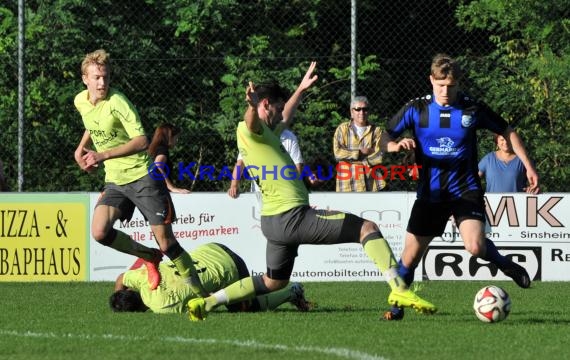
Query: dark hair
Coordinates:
[271,91]
[127,301]
[163,136]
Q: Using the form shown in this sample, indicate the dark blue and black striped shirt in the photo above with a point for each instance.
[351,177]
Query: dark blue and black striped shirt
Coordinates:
[446,143]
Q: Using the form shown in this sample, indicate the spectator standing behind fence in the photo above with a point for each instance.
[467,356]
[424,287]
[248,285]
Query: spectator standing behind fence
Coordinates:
[113,127]
[356,147]
[165,138]
[503,171]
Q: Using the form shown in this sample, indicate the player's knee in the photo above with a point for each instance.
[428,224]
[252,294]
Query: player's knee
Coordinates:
[475,249]
[268,284]
[369,227]
[103,236]
[99,233]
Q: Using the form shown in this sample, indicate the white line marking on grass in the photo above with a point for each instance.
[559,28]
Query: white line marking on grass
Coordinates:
[339,352]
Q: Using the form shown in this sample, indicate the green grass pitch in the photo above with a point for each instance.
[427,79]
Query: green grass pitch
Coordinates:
[73,321]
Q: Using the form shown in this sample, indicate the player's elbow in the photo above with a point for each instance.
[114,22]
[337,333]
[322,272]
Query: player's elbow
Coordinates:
[141,143]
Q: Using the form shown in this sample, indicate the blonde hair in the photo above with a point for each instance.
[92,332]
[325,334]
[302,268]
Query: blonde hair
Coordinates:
[444,67]
[98,57]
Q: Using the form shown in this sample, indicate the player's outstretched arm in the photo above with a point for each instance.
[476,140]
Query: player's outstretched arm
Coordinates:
[295,99]
[251,117]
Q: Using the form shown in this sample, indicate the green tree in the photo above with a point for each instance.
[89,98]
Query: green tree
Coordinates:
[256,47]
[188,62]
[526,76]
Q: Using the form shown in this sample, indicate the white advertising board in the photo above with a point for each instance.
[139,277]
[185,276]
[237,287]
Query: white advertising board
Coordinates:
[533,230]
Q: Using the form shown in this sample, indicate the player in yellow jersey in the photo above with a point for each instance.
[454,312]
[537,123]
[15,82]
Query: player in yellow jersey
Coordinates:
[113,128]
[287,220]
[217,267]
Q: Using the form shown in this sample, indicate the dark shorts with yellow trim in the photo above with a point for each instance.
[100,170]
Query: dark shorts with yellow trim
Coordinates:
[429,218]
[304,225]
[150,196]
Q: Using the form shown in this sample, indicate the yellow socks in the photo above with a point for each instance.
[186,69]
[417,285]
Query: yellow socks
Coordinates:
[273,299]
[238,291]
[187,270]
[379,251]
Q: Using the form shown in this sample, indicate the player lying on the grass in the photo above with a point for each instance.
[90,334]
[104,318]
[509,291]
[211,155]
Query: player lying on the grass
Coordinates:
[217,267]
[287,219]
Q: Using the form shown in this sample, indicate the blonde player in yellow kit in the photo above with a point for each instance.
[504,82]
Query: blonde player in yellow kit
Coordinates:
[114,129]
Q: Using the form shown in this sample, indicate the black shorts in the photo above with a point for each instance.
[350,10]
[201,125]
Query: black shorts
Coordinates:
[304,225]
[429,218]
[150,196]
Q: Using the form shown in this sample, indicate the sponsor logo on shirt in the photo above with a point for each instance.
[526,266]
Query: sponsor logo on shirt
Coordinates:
[445,147]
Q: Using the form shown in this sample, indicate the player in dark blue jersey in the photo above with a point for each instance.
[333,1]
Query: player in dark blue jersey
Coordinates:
[444,126]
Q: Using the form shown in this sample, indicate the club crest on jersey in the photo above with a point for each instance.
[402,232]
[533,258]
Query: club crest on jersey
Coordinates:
[467,121]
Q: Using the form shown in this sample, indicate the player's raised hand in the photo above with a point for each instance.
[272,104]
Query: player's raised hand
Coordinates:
[251,117]
[251,95]
[309,78]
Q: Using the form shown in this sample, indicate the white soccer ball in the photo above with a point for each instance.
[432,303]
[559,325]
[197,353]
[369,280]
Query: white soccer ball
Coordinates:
[492,304]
